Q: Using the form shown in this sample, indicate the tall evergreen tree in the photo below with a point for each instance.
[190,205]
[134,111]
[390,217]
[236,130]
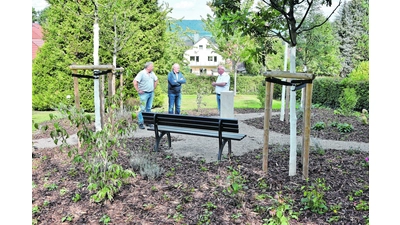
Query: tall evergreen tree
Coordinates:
[352,30]
[68,35]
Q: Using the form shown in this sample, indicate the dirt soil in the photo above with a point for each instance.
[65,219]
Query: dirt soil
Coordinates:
[195,192]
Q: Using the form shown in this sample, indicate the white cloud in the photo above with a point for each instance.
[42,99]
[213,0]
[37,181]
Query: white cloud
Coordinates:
[39,4]
[183,5]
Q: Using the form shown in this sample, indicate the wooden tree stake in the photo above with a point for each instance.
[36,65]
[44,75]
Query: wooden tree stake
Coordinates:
[267,117]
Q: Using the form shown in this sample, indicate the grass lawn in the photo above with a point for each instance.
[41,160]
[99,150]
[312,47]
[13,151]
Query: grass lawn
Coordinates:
[189,102]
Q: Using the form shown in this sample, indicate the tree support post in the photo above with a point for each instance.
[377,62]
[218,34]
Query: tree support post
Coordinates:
[307,128]
[267,117]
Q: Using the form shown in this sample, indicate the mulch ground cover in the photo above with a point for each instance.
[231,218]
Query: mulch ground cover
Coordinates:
[233,191]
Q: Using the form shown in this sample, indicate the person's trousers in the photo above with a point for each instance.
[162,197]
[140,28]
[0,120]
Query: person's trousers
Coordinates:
[174,100]
[219,103]
[146,103]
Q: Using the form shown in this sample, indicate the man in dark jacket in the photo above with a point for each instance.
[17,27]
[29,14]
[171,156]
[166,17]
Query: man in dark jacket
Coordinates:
[175,80]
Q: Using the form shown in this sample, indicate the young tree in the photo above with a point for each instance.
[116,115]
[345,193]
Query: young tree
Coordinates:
[318,49]
[236,48]
[280,18]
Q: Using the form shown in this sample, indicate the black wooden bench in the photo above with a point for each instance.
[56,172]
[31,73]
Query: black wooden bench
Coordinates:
[224,129]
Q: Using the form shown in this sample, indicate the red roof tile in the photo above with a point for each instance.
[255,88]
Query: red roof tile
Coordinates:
[37,35]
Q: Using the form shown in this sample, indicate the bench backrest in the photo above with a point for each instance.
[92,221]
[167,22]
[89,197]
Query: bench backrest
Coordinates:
[196,122]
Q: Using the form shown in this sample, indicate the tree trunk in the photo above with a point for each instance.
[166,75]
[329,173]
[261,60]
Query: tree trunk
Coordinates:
[283,96]
[234,66]
[96,30]
[293,119]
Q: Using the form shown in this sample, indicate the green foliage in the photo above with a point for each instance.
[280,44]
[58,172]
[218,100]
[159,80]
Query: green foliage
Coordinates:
[35,209]
[328,90]
[348,101]
[236,182]
[280,212]
[76,198]
[68,218]
[50,187]
[319,126]
[105,219]
[314,196]
[141,26]
[345,128]
[360,73]
[318,49]
[63,191]
[99,155]
[362,206]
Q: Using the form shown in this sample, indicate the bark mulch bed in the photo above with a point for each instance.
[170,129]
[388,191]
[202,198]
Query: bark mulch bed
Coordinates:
[331,131]
[194,192]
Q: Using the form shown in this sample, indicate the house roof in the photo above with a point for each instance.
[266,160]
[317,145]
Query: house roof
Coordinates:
[37,38]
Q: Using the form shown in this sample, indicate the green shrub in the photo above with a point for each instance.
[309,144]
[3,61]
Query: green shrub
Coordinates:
[319,126]
[360,73]
[345,127]
[348,101]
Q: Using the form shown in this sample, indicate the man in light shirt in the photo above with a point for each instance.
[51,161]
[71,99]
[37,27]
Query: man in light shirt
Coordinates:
[145,82]
[222,84]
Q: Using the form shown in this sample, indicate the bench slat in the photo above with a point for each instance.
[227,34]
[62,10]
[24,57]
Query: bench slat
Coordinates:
[191,131]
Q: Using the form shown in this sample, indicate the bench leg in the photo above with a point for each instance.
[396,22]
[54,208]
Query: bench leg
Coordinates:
[169,139]
[221,147]
[229,148]
[158,140]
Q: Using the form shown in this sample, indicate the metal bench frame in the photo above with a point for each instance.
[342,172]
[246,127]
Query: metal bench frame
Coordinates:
[224,129]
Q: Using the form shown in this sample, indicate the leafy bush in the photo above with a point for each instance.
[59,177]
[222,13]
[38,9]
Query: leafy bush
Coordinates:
[99,155]
[147,169]
[348,101]
[345,127]
[319,126]
[314,196]
[360,73]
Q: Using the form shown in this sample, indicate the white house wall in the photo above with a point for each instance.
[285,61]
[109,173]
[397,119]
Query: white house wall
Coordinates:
[202,56]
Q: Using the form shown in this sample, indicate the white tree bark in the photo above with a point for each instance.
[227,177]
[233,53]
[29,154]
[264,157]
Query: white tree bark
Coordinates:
[283,87]
[293,119]
[96,30]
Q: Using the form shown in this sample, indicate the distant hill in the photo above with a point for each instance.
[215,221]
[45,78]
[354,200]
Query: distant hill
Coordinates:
[194,25]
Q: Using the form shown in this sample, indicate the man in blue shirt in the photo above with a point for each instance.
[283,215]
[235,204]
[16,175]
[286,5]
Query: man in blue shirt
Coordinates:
[175,80]
[145,82]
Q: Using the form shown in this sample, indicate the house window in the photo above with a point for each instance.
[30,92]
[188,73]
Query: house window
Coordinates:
[208,46]
[210,58]
[215,58]
[191,58]
[200,46]
[197,58]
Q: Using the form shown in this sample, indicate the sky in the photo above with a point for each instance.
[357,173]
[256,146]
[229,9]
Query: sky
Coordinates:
[185,9]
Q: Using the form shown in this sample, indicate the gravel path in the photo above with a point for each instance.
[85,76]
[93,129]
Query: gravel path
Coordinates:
[207,148]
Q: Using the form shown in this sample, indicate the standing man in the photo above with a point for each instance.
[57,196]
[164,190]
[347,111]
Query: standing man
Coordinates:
[175,80]
[222,84]
[145,83]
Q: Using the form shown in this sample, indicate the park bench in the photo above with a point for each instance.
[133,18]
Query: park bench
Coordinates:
[224,129]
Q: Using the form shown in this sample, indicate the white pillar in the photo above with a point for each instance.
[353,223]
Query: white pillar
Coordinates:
[227,108]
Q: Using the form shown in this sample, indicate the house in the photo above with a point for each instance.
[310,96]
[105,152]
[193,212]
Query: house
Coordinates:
[203,60]
[37,38]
